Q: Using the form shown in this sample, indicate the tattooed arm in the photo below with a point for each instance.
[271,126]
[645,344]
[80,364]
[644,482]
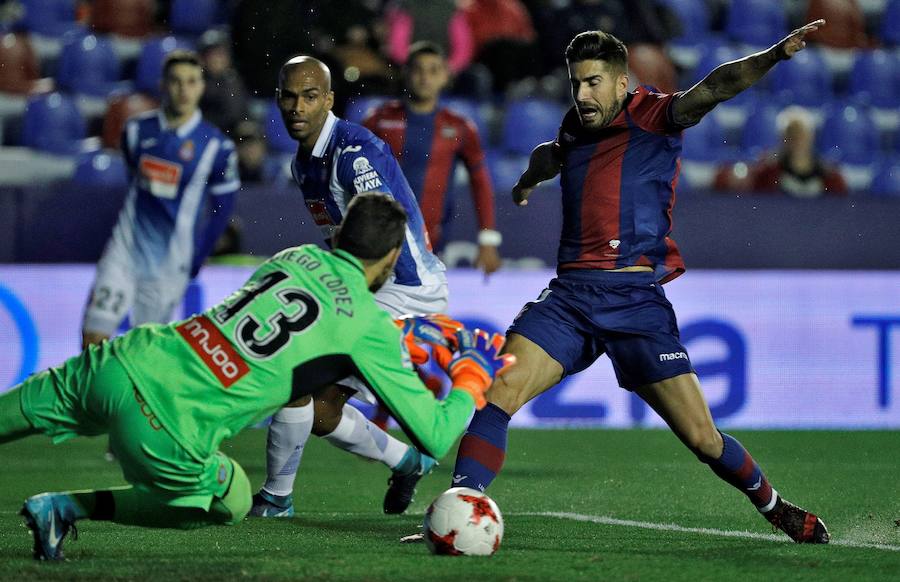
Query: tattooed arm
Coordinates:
[729,79]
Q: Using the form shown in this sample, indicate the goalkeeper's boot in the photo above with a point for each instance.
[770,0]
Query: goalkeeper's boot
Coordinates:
[403,479]
[802,526]
[266,504]
[50,517]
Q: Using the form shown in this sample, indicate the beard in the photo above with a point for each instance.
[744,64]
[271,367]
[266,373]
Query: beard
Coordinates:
[381,279]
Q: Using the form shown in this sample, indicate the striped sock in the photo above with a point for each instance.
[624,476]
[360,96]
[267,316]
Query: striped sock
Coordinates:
[737,468]
[482,449]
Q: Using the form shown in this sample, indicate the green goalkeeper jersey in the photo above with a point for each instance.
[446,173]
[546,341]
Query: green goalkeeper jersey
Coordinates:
[304,320]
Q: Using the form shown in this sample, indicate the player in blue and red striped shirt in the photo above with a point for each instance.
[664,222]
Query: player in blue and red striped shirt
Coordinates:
[618,156]
[428,139]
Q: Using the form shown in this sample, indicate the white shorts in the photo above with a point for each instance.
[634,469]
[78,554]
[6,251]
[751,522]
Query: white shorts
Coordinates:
[399,300]
[118,289]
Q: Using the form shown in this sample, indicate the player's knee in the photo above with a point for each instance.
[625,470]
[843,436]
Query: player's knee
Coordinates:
[705,442]
[233,507]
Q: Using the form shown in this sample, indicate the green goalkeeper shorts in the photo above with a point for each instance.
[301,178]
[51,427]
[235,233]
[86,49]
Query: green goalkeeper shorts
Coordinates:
[91,394]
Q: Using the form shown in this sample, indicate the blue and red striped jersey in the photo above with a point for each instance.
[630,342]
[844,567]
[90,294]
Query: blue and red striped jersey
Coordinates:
[427,147]
[618,188]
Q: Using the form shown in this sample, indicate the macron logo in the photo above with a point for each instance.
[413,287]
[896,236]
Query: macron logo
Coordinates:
[673,356]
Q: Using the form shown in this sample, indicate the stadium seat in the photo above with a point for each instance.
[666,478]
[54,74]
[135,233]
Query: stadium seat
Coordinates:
[193,17]
[706,142]
[131,18]
[848,136]
[88,65]
[650,66]
[714,54]
[756,22]
[875,79]
[890,24]
[804,80]
[52,123]
[887,179]
[474,111]
[52,18]
[100,169]
[149,67]
[276,135]
[846,24]
[118,112]
[18,63]
[528,122]
[505,169]
[760,132]
[693,16]
[357,108]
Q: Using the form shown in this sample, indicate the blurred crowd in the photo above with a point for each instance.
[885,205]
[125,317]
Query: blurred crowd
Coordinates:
[825,124]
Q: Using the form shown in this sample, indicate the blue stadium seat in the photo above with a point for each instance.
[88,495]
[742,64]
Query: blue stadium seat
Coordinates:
[505,170]
[528,122]
[88,65]
[474,111]
[706,142]
[100,168]
[358,107]
[52,123]
[48,17]
[149,67]
[756,22]
[714,54]
[693,16]
[849,136]
[276,135]
[193,17]
[890,24]
[887,179]
[875,78]
[804,80]
[760,132]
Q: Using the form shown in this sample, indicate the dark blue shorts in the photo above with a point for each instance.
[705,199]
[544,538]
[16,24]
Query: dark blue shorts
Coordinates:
[584,314]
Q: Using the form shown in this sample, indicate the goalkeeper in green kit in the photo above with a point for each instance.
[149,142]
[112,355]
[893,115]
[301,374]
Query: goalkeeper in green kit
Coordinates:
[168,395]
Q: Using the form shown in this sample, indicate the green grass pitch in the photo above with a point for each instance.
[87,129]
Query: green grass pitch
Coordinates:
[852,479]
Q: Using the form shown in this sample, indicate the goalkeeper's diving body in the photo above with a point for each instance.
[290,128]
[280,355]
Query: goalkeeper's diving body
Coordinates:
[168,395]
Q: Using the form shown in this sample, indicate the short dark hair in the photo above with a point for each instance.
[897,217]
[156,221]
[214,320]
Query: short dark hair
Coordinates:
[424,47]
[597,45]
[374,225]
[180,57]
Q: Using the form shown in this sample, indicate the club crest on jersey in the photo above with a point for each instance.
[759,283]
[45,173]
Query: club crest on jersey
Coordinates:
[361,165]
[614,243]
[186,151]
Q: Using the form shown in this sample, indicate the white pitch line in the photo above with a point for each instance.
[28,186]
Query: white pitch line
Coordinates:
[605,520]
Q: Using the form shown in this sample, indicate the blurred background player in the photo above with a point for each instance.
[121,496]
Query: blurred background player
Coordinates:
[179,163]
[428,139]
[795,169]
[167,404]
[335,161]
[618,155]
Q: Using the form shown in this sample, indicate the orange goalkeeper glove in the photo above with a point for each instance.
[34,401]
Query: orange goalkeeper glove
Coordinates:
[478,363]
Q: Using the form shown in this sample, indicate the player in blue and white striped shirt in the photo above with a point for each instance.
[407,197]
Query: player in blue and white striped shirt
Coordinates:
[335,161]
[179,165]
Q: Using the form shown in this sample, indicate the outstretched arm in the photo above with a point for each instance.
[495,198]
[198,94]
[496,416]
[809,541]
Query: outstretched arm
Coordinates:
[544,164]
[729,79]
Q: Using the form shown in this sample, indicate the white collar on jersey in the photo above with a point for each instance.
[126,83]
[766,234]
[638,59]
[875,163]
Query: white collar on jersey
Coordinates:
[324,135]
[185,128]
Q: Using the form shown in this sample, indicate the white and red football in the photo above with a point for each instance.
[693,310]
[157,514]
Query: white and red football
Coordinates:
[463,522]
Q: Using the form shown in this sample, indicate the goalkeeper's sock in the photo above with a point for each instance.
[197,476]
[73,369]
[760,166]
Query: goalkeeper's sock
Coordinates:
[736,467]
[13,423]
[288,433]
[482,449]
[355,433]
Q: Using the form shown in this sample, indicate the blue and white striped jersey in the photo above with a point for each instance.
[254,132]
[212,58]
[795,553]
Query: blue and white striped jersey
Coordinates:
[348,159]
[172,173]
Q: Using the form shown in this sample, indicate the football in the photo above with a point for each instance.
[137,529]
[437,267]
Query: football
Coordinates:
[463,522]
